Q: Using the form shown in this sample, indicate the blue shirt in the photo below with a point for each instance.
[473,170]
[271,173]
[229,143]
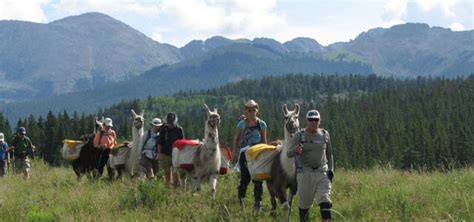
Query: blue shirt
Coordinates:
[3,150]
[251,135]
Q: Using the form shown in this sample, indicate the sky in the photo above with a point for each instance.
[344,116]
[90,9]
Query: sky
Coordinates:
[177,22]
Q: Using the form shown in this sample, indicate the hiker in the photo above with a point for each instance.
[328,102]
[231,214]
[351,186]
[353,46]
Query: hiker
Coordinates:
[149,157]
[105,139]
[315,166]
[3,155]
[168,135]
[250,130]
[22,148]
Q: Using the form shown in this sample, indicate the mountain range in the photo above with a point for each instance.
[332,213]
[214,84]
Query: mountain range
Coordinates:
[91,60]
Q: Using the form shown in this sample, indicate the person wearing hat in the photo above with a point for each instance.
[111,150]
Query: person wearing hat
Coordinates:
[315,166]
[149,158]
[105,140]
[22,148]
[250,130]
[168,135]
[3,155]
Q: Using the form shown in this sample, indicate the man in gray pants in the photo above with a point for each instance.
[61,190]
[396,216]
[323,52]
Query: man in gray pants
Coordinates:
[312,147]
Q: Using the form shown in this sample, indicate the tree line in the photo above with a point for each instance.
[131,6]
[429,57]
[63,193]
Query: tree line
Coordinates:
[412,123]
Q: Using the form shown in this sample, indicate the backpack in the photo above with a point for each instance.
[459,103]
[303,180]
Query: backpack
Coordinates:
[247,128]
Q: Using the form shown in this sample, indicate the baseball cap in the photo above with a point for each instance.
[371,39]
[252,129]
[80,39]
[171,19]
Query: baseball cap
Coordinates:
[313,114]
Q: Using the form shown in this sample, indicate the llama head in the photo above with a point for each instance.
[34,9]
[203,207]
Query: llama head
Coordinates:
[138,119]
[292,124]
[213,118]
[98,124]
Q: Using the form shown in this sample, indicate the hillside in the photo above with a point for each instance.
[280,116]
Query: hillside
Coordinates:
[76,53]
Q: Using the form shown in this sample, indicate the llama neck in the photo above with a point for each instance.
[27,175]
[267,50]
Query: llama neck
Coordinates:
[136,133]
[287,162]
[211,136]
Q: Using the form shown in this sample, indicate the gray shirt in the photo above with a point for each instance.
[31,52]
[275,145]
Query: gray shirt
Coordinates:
[317,149]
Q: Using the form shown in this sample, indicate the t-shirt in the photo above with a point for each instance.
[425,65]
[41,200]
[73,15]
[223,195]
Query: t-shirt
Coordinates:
[168,136]
[317,150]
[251,135]
[23,146]
[3,150]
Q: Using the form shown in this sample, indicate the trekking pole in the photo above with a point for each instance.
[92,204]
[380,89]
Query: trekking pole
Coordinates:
[295,183]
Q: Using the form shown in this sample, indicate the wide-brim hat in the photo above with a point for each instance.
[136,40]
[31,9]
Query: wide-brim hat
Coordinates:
[251,104]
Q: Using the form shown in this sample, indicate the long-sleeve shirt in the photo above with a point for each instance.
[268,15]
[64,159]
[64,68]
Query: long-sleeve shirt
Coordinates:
[105,138]
[317,149]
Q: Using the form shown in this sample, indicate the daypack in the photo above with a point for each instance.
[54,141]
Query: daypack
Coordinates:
[154,149]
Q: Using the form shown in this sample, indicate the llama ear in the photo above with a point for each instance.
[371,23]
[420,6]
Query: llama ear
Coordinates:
[207,107]
[297,109]
[134,114]
[285,109]
[215,109]
[142,113]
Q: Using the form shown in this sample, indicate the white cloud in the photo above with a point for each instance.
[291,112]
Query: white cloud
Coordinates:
[446,6]
[157,36]
[394,10]
[26,10]
[225,17]
[457,27]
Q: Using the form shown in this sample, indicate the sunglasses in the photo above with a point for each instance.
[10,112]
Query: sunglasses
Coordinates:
[251,110]
[313,120]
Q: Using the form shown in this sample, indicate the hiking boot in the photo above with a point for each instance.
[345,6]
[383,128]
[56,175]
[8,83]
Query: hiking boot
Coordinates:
[304,215]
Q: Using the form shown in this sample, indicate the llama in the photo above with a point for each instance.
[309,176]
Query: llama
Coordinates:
[283,168]
[89,156]
[132,165]
[207,157]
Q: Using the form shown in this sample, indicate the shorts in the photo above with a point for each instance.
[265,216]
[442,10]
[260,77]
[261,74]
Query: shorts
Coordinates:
[22,164]
[165,161]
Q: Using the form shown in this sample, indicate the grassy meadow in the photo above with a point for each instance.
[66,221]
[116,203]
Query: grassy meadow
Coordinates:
[379,194]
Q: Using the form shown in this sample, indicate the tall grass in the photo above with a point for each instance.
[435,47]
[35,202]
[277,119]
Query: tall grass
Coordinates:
[379,194]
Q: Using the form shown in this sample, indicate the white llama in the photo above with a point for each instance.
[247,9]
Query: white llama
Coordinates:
[206,157]
[132,165]
[283,168]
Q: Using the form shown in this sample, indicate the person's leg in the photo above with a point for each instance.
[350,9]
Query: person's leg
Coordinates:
[3,168]
[26,167]
[166,163]
[244,178]
[147,167]
[257,194]
[323,195]
[306,193]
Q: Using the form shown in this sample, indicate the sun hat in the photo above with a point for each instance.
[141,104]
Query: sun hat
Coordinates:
[251,104]
[156,122]
[108,122]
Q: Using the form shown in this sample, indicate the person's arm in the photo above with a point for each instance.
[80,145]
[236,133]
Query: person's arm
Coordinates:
[264,135]
[161,139]
[235,145]
[295,141]
[114,136]
[182,133]
[97,139]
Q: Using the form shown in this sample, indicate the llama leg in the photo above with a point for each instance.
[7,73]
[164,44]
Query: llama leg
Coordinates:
[271,190]
[213,183]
